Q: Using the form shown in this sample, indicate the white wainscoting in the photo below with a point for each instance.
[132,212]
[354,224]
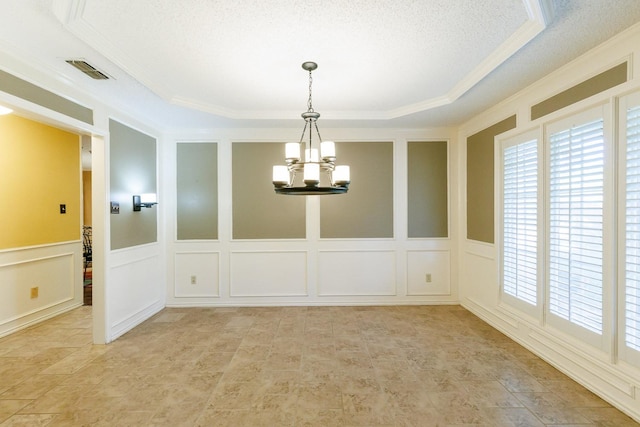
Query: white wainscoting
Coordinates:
[135,289]
[615,385]
[197,274]
[357,273]
[268,273]
[595,370]
[56,270]
[436,264]
[479,273]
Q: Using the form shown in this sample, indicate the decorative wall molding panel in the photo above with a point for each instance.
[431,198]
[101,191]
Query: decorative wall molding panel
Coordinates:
[262,274]
[197,275]
[350,273]
[428,272]
[39,283]
[136,288]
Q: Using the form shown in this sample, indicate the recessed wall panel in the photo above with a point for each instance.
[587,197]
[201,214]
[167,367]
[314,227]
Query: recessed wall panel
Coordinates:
[134,281]
[258,212]
[197,191]
[596,84]
[480,171]
[197,274]
[427,189]
[53,276]
[262,274]
[357,273]
[428,273]
[132,172]
[366,211]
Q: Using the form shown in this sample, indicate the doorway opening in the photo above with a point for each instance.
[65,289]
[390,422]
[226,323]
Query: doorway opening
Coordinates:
[87,226]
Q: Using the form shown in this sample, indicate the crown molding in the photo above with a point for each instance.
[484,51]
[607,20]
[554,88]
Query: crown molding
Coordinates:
[71,14]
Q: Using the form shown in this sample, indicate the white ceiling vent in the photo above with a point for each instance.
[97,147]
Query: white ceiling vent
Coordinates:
[88,69]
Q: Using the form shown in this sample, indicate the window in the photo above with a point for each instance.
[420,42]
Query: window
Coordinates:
[558,250]
[520,219]
[631,293]
[576,212]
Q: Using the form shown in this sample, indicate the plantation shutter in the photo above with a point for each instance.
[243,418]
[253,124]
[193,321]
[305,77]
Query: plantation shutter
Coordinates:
[632,231]
[576,199]
[519,232]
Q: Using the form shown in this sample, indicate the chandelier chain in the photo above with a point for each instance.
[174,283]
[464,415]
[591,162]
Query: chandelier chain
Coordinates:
[309,103]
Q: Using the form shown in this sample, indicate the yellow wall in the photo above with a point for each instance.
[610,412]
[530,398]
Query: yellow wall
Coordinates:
[39,170]
[86,193]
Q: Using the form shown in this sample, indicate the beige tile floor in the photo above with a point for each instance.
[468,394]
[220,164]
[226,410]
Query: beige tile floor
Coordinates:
[288,366]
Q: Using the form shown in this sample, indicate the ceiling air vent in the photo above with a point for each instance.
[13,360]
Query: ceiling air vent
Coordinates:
[88,69]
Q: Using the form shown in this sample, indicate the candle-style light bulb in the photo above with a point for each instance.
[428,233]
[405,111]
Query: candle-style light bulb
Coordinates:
[280,176]
[292,151]
[311,155]
[341,175]
[311,174]
[328,150]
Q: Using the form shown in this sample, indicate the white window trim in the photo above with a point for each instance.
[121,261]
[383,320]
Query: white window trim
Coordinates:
[502,143]
[604,341]
[624,352]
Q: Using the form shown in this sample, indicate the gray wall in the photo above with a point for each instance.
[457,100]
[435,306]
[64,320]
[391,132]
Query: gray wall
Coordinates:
[596,84]
[132,172]
[197,191]
[366,211]
[258,212]
[480,197]
[480,149]
[25,90]
[427,189]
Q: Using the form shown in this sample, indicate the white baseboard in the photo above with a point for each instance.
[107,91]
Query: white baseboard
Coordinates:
[24,322]
[601,377]
[122,327]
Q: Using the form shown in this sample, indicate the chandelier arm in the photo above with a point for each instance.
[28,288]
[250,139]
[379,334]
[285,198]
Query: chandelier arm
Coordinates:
[303,132]
[317,131]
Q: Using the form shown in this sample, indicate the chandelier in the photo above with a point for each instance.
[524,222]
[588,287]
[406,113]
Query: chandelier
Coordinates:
[318,158]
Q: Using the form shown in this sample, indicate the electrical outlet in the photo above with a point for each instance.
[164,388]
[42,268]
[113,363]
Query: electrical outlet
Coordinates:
[194,280]
[34,292]
[427,278]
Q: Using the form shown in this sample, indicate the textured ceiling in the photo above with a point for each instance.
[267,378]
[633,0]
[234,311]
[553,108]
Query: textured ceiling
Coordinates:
[400,63]
[242,59]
